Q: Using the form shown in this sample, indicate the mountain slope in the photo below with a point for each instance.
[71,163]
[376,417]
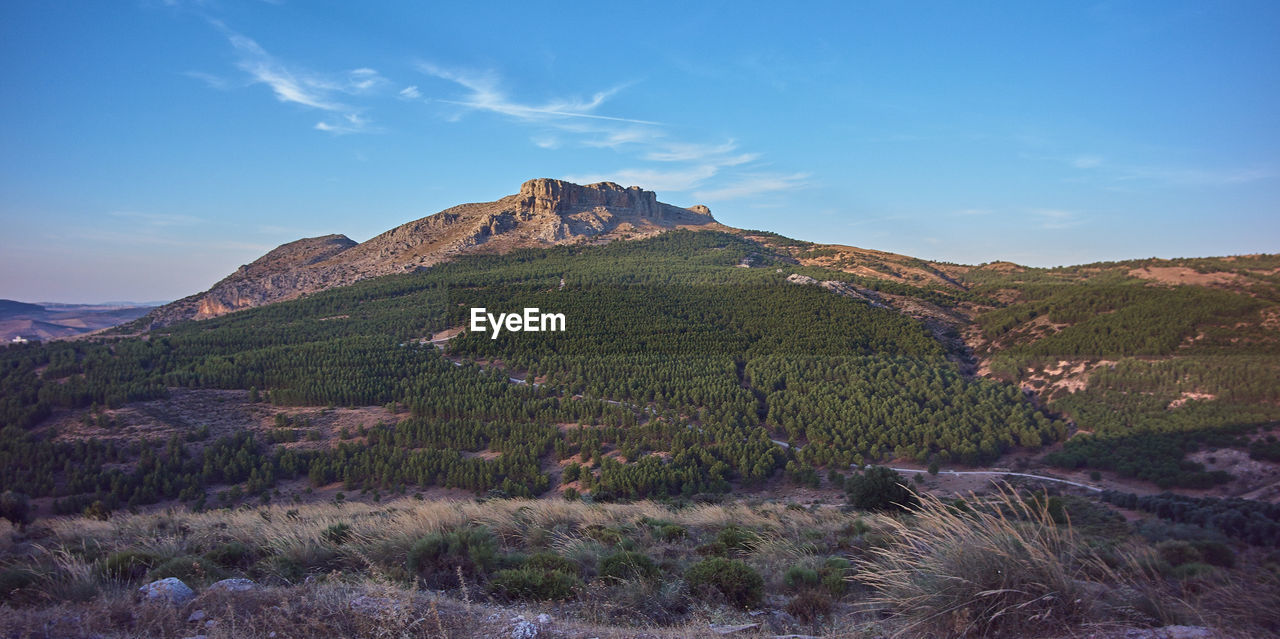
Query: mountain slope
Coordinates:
[545,212]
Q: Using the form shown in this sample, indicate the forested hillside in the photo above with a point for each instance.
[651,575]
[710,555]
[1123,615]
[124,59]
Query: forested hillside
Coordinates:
[681,372]
[1152,359]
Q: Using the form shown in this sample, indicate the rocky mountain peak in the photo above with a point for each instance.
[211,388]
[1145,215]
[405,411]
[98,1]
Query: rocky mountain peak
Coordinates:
[545,195]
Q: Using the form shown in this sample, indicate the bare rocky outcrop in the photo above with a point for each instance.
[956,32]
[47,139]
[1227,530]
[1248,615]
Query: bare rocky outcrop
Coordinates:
[544,212]
[844,289]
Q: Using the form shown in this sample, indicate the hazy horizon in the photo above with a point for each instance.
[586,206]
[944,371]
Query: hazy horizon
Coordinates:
[151,148]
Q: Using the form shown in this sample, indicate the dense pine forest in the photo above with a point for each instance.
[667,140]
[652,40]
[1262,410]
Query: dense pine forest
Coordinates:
[680,373]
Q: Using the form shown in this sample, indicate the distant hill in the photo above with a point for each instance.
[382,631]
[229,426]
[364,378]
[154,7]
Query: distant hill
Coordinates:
[52,321]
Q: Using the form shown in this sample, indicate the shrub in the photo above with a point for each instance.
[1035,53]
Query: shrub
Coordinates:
[232,554]
[735,539]
[337,534]
[1216,553]
[551,562]
[809,606]
[16,508]
[533,584]
[286,569]
[628,565]
[738,583]
[798,577]
[604,534]
[1191,570]
[671,532]
[128,565]
[665,530]
[14,579]
[1178,552]
[833,573]
[191,570]
[437,557]
[879,488]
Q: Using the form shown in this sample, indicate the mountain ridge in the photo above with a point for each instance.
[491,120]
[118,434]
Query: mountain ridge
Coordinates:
[545,212]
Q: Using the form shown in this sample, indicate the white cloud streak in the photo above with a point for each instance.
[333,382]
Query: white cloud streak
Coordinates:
[328,92]
[486,95]
[1056,219]
[1174,176]
[754,185]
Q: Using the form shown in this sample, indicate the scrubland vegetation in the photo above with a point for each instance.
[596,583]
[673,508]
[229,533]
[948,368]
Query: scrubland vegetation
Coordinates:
[1002,565]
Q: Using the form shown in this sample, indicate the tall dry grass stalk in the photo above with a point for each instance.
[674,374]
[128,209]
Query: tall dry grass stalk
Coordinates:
[1004,567]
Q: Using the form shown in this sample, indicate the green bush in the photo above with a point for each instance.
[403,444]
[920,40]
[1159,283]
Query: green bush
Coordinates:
[533,584]
[879,488]
[128,565]
[798,577]
[735,539]
[1178,552]
[232,554]
[437,557]
[283,568]
[550,562]
[1192,569]
[671,532]
[833,573]
[1215,553]
[14,579]
[738,583]
[665,530]
[16,507]
[604,534]
[191,570]
[628,565]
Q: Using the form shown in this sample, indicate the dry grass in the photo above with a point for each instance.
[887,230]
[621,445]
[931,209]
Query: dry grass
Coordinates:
[1006,568]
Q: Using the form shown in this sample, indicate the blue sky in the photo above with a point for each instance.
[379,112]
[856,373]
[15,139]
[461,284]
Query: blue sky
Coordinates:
[149,148]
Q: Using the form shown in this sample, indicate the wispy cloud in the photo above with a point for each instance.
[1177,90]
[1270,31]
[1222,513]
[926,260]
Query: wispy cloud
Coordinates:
[753,185]
[1168,175]
[715,170]
[1086,161]
[972,212]
[1175,176]
[213,81]
[328,92]
[410,93]
[486,95]
[348,123]
[546,141]
[1056,219]
[156,219]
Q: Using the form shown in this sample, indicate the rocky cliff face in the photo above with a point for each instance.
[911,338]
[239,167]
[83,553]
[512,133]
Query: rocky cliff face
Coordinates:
[545,212]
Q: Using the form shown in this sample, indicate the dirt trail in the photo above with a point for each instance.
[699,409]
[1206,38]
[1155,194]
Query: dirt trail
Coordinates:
[1002,473]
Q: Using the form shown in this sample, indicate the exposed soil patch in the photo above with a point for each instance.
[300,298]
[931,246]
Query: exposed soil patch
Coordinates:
[1182,275]
[225,412]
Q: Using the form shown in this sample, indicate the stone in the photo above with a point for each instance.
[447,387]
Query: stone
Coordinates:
[168,590]
[1185,632]
[524,630]
[544,618]
[195,616]
[237,584]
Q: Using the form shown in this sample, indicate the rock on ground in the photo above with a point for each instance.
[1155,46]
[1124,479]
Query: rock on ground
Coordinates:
[169,589]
